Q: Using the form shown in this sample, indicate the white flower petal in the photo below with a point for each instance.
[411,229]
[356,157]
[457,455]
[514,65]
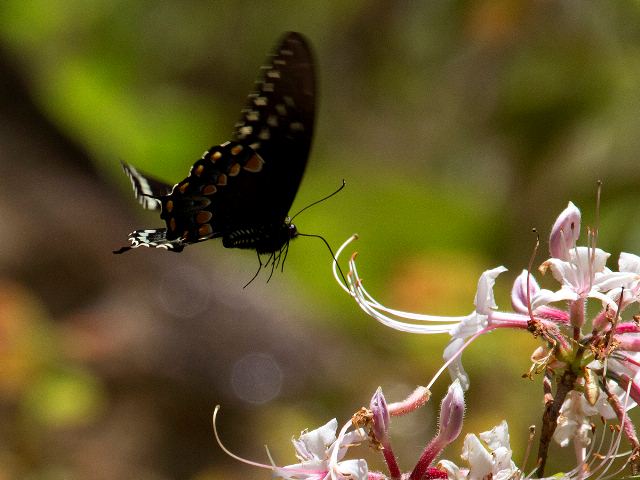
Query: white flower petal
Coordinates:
[502,461]
[354,437]
[589,259]
[610,280]
[313,445]
[469,325]
[456,370]
[454,472]
[574,422]
[628,262]
[519,298]
[480,461]
[485,300]
[544,297]
[497,437]
[351,470]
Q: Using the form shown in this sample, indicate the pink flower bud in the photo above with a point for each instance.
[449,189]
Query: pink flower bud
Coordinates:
[380,412]
[452,413]
[451,416]
[565,232]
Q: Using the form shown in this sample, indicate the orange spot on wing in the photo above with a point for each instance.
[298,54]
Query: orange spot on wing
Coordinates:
[169,205]
[205,230]
[172,224]
[203,216]
[234,170]
[199,170]
[183,187]
[222,179]
[254,164]
[236,150]
[216,156]
[209,190]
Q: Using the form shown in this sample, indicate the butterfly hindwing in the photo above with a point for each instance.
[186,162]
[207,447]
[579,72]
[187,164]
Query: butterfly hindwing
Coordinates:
[156,238]
[202,205]
[146,188]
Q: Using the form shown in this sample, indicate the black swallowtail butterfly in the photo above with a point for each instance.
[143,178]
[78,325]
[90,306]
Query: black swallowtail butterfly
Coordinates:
[242,189]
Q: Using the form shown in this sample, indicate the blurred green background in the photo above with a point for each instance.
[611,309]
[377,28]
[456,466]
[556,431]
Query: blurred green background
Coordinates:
[458,126]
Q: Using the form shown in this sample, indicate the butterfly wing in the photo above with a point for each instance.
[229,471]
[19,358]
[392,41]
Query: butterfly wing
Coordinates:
[146,188]
[277,123]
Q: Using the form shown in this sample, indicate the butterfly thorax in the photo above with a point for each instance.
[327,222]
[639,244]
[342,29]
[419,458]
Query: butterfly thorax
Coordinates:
[264,238]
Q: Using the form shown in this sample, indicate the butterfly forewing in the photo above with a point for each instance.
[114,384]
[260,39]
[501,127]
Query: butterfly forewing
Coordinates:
[277,123]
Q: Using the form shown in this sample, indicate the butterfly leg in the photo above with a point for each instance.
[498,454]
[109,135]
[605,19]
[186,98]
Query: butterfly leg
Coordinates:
[285,249]
[254,277]
[272,258]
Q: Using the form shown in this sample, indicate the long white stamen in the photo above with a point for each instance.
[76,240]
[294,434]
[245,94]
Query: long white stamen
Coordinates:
[370,305]
[456,355]
[227,451]
[608,459]
[374,308]
[612,454]
[334,265]
[408,315]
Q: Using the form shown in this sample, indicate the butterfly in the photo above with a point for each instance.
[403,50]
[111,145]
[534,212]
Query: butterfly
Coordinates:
[242,190]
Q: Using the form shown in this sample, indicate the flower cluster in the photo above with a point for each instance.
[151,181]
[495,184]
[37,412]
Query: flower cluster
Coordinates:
[594,362]
[321,451]
[590,370]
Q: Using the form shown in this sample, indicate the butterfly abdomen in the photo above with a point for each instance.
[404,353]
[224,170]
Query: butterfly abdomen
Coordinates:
[263,239]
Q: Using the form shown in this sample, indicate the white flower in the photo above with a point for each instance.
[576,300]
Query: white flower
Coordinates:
[628,263]
[320,453]
[583,275]
[494,459]
[574,421]
[489,460]
[581,271]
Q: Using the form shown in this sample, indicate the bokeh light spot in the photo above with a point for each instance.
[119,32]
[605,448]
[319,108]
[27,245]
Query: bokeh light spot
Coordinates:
[256,378]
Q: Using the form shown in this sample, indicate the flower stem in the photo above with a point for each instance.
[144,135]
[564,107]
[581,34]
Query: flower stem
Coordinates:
[550,418]
[391,461]
[428,456]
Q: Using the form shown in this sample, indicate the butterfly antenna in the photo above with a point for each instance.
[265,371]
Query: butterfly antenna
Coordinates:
[321,200]
[330,250]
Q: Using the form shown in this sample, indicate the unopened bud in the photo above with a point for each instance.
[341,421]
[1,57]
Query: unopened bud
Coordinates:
[380,412]
[565,232]
[591,389]
[452,413]
[451,416]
